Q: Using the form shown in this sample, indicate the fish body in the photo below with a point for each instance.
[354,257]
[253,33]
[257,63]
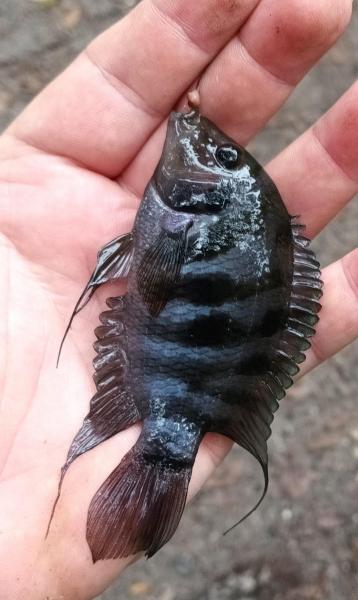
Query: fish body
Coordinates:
[223,294]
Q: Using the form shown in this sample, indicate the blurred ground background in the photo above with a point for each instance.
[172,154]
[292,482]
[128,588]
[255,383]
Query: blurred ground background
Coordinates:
[302,544]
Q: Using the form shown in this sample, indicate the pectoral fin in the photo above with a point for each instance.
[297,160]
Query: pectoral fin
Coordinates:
[161,263]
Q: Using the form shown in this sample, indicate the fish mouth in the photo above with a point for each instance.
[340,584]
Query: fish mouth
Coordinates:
[188,120]
[180,124]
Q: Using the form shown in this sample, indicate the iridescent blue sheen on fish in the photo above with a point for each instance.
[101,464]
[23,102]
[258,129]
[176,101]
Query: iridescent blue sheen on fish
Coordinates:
[223,294]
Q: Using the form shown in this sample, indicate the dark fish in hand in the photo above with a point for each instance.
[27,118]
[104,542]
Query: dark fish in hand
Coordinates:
[223,294]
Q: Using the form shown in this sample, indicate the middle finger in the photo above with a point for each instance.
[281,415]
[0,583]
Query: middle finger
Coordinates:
[256,72]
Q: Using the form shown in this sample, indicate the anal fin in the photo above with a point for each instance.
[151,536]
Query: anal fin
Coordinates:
[112,408]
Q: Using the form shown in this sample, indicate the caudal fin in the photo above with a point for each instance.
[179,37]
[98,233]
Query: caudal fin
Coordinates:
[138,507]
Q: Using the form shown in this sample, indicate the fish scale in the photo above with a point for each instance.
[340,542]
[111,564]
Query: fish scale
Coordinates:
[223,293]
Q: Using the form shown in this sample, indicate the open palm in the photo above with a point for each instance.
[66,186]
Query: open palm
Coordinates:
[74,166]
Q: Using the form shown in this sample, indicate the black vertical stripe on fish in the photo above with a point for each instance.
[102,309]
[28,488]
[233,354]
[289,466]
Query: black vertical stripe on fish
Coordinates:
[223,296]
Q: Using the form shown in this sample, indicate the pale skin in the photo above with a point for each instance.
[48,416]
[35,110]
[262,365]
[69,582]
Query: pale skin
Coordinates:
[73,167]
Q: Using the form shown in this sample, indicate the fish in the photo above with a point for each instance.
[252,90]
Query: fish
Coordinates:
[223,294]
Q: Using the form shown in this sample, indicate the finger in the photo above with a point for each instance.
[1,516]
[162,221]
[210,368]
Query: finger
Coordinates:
[105,105]
[212,451]
[318,173]
[257,70]
[338,324]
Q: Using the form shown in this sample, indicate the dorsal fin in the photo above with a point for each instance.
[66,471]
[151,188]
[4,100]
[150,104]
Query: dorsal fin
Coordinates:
[250,426]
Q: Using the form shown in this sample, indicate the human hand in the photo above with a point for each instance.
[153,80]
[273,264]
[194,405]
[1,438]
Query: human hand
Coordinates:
[74,166]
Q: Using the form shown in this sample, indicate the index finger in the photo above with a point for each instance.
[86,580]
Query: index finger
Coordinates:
[102,109]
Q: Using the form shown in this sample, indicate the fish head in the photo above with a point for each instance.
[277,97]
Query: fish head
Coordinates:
[205,176]
[201,169]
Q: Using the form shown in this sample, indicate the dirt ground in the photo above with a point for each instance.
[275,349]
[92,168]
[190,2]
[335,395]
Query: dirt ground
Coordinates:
[302,544]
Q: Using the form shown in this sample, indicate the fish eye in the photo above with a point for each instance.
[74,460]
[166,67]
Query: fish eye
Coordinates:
[228,157]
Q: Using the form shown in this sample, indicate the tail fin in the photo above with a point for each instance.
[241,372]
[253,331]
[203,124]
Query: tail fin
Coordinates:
[138,507]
